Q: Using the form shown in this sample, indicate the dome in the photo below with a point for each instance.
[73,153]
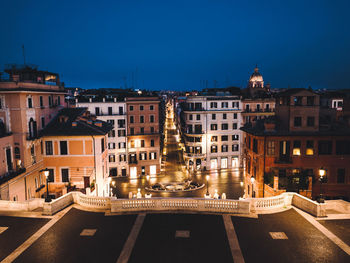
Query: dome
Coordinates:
[256,76]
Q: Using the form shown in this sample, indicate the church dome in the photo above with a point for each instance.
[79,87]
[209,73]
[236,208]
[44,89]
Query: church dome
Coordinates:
[256,76]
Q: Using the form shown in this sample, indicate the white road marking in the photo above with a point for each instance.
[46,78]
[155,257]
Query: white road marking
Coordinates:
[182,234]
[3,229]
[233,240]
[26,244]
[336,240]
[130,242]
[88,232]
[278,235]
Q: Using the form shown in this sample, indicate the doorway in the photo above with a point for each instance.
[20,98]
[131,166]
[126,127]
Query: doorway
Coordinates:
[133,172]
[223,163]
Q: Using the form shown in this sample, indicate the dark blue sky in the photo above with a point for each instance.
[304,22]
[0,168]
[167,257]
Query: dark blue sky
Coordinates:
[175,44]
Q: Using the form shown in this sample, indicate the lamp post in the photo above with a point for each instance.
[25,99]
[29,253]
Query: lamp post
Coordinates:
[322,173]
[252,180]
[207,177]
[46,173]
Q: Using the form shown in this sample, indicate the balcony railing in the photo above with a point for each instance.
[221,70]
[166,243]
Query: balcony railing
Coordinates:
[194,132]
[193,109]
[11,174]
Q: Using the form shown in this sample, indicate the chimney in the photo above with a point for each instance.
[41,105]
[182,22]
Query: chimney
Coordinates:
[98,124]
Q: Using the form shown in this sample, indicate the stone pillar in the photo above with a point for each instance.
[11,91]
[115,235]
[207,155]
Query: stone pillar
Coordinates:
[275,183]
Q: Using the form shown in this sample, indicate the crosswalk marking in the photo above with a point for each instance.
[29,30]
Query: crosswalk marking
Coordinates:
[233,241]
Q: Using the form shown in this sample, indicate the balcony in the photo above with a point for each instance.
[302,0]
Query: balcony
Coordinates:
[194,132]
[193,109]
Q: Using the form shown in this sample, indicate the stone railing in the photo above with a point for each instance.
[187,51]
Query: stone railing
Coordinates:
[21,206]
[308,205]
[58,204]
[181,204]
[260,205]
[243,206]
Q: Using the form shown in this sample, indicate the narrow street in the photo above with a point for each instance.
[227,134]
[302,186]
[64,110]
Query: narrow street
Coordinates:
[173,170]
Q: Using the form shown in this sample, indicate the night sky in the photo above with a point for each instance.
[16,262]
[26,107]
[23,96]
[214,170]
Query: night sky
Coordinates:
[173,45]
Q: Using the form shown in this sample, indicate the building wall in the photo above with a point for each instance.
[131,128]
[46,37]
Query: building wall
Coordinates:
[298,160]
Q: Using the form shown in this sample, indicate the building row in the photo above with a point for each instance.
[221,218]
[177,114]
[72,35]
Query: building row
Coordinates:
[80,146]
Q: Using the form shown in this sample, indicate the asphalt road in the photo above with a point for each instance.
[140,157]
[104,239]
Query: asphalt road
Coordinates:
[156,242]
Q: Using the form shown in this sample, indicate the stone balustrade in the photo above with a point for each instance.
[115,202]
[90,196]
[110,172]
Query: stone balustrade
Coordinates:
[181,204]
[242,206]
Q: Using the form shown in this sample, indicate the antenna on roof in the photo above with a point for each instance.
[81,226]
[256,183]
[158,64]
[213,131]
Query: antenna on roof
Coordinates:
[24,55]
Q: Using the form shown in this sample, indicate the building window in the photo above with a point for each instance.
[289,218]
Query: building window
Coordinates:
[235,116]
[111,122]
[198,117]
[213,116]
[97,111]
[270,148]
[111,133]
[122,158]
[224,116]
[42,122]
[143,156]
[224,148]
[255,145]
[41,101]
[50,101]
[151,118]
[30,102]
[63,148]
[132,131]
[121,111]
[224,104]
[151,107]
[142,143]
[190,117]
[121,133]
[48,148]
[214,149]
[224,138]
[214,138]
[234,126]
[131,108]
[65,175]
[51,177]
[297,121]
[342,147]
[235,137]
[296,147]
[111,158]
[341,176]
[224,126]
[121,123]
[131,119]
[324,147]
[142,130]
[152,155]
[59,100]
[152,129]
[309,147]
[213,127]
[141,107]
[102,145]
[310,100]
[310,121]
[111,145]
[142,119]
[235,147]
[298,100]
[152,143]
[110,111]
[213,105]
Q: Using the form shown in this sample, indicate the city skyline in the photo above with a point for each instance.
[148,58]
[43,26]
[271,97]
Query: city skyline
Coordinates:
[162,46]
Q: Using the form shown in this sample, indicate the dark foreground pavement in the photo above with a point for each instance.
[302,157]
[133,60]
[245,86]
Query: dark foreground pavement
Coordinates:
[19,229]
[340,228]
[156,242]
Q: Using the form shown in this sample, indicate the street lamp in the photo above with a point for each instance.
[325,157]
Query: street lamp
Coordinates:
[46,173]
[322,173]
[207,177]
[252,180]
